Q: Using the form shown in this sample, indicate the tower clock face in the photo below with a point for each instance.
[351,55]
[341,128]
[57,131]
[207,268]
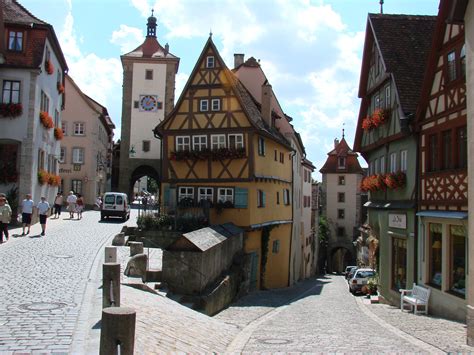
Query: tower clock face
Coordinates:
[148,103]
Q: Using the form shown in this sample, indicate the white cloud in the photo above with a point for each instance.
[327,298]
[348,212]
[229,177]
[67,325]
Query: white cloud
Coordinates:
[127,38]
[181,79]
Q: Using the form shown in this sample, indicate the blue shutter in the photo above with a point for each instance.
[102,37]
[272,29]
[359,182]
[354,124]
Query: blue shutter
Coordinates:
[241,197]
[166,196]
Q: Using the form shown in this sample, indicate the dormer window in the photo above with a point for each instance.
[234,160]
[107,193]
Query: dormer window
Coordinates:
[210,62]
[341,162]
[15,41]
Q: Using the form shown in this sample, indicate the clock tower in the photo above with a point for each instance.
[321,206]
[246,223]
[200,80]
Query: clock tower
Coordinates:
[148,96]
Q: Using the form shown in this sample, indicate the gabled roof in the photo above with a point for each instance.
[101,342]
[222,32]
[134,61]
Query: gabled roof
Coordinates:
[14,13]
[150,48]
[341,149]
[404,42]
[207,238]
[248,103]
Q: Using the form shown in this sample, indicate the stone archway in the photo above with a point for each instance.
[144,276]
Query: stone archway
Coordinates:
[340,257]
[140,172]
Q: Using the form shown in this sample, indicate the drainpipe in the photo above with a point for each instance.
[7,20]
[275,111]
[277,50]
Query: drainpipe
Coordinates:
[292,213]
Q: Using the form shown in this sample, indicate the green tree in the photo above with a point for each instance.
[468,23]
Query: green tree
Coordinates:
[152,185]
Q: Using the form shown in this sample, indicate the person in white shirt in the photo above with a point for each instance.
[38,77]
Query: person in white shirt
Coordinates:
[71,203]
[43,208]
[26,212]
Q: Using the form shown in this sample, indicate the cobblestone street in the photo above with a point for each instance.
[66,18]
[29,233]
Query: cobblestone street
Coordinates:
[44,279]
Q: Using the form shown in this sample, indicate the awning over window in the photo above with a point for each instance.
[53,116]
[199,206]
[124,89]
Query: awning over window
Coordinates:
[443,214]
[390,205]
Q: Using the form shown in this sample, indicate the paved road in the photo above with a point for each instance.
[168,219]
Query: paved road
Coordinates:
[320,315]
[43,281]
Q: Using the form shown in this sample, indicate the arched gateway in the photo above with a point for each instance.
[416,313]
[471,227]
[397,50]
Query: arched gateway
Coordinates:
[148,96]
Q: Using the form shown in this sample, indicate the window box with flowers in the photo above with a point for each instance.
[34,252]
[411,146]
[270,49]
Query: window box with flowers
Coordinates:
[58,133]
[60,87]
[49,67]
[54,180]
[214,154]
[378,118]
[11,110]
[47,178]
[380,182]
[395,180]
[43,176]
[46,120]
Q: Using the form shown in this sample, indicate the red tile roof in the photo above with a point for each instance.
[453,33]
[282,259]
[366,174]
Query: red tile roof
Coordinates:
[341,149]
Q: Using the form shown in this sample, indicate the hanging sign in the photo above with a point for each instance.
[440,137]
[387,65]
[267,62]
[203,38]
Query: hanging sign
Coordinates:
[396,220]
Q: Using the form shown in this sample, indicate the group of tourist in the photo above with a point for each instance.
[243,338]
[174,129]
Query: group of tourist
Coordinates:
[75,204]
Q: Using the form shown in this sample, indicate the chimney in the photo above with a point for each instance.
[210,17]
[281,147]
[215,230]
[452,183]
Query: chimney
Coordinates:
[267,103]
[238,59]
[336,142]
[167,49]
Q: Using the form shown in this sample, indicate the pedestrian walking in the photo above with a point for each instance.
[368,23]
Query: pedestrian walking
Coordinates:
[26,211]
[58,203]
[79,206]
[71,204]
[5,216]
[43,209]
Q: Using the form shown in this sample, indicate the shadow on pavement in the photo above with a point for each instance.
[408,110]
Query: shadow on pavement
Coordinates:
[112,221]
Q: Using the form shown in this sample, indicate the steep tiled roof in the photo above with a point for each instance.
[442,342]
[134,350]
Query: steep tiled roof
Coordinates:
[150,48]
[404,41]
[14,12]
[341,149]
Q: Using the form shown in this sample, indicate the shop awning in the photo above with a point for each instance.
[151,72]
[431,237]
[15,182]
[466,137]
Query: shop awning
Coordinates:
[390,205]
[443,214]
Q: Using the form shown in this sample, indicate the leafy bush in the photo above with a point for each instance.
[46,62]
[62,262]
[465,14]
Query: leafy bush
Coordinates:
[151,222]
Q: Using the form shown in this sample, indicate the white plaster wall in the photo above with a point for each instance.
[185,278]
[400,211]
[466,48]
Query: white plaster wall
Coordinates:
[142,123]
[307,210]
[349,206]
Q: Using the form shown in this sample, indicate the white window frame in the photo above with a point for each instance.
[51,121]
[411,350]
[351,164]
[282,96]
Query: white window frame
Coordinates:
[199,143]
[62,155]
[261,146]
[185,191]
[393,162]
[377,101]
[403,160]
[183,143]
[11,94]
[210,61]
[225,194]
[376,166]
[79,129]
[215,104]
[388,102]
[382,164]
[204,105]
[218,141]
[78,158]
[238,140]
[203,194]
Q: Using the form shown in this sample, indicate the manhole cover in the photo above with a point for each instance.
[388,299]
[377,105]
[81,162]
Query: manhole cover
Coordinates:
[42,306]
[275,341]
[59,256]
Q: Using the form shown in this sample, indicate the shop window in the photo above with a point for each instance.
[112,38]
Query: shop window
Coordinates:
[457,267]
[435,252]
[399,263]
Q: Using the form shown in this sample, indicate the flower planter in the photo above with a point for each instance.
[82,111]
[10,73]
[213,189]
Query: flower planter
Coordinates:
[58,133]
[214,154]
[60,87]
[46,120]
[378,118]
[49,67]
[11,110]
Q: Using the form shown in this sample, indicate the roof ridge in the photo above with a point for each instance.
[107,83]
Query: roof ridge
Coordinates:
[27,11]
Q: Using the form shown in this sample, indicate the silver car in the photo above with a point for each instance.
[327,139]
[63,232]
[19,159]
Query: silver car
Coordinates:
[359,279]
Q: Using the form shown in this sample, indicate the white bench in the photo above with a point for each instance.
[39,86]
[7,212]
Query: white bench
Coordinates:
[417,296]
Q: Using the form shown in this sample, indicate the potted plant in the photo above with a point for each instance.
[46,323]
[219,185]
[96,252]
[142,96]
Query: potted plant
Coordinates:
[46,120]
[58,133]
[48,65]
[372,285]
[43,176]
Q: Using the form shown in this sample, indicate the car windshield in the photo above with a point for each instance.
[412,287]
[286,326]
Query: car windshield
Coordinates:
[110,199]
[119,200]
[364,274]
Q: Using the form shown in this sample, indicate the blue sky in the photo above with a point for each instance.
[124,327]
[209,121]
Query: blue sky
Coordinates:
[310,50]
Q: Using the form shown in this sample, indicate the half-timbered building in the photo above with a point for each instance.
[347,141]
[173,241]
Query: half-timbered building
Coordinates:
[394,58]
[443,189]
[224,158]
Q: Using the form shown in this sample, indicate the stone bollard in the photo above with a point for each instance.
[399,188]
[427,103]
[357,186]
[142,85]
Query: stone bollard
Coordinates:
[110,285]
[110,254]
[136,248]
[117,329]
[119,240]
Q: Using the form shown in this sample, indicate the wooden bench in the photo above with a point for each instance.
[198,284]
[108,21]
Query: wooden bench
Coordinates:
[417,296]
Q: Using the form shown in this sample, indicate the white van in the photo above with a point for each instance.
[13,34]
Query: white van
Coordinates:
[115,204]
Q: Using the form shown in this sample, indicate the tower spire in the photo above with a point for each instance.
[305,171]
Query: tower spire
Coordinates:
[381,6]
[343,124]
[151,25]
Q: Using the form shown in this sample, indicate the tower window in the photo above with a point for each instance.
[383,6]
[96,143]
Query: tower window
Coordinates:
[149,74]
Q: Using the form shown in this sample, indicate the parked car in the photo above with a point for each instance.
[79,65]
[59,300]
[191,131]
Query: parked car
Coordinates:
[115,204]
[359,279]
[348,271]
[351,274]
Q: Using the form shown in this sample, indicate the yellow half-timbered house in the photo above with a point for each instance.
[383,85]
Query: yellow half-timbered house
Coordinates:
[224,157]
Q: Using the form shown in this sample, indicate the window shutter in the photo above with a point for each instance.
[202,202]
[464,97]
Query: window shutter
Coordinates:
[166,196]
[241,197]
